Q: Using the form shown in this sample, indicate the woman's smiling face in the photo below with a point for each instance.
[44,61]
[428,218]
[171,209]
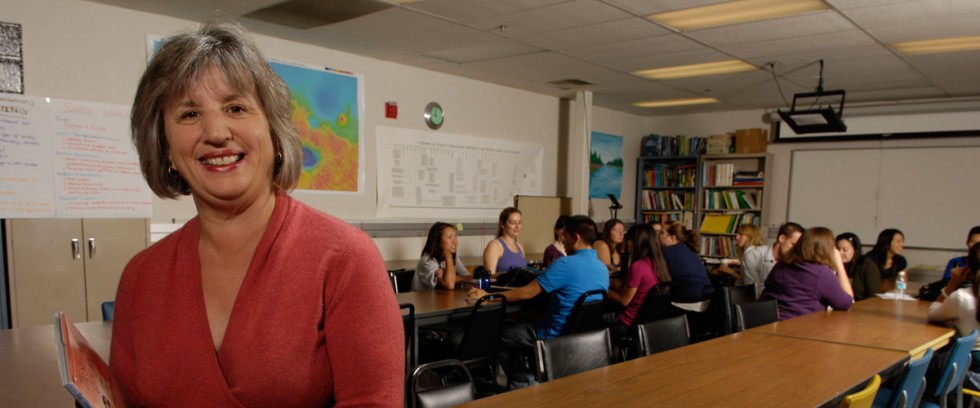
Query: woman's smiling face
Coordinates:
[220,141]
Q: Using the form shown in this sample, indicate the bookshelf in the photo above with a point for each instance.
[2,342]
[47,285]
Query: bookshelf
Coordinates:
[667,189]
[732,189]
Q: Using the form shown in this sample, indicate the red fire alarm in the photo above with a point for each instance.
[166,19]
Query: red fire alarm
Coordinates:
[391,110]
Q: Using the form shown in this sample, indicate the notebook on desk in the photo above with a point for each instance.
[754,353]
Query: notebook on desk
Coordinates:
[83,372]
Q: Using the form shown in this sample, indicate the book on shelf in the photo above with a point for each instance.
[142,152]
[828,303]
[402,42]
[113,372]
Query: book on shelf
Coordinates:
[667,200]
[730,200]
[718,246]
[83,372]
[721,174]
[666,175]
[748,178]
[726,223]
[680,145]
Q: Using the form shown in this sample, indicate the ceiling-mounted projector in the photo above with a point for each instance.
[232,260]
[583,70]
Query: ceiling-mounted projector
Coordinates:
[813,112]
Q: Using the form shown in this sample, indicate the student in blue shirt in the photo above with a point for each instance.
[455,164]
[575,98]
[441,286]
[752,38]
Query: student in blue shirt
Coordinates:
[958,262]
[564,281]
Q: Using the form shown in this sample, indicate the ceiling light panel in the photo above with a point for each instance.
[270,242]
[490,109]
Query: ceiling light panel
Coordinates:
[938,46]
[735,12]
[687,71]
[675,102]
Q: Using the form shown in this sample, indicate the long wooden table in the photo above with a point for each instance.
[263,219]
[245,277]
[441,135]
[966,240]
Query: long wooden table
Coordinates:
[29,364]
[741,370]
[879,323]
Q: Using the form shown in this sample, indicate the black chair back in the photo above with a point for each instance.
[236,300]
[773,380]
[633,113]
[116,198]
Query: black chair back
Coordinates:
[662,335]
[587,314]
[411,355]
[656,306]
[571,354]
[455,385]
[738,294]
[758,313]
[482,336]
[404,278]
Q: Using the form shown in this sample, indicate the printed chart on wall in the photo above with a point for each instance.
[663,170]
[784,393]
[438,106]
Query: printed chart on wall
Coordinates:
[462,176]
[68,159]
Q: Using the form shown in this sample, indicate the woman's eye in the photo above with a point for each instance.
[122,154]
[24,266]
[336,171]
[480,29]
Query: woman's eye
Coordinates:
[189,115]
[236,109]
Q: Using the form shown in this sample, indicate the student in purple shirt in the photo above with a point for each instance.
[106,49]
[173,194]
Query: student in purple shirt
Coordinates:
[810,277]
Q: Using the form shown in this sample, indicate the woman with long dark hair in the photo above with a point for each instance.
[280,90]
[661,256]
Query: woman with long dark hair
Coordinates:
[439,265]
[886,254]
[863,273]
[611,245]
[647,269]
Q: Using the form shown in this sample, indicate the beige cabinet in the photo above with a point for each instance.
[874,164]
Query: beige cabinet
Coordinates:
[68,264]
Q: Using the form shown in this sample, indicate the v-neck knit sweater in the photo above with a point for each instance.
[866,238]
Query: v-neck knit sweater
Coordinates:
[315,322]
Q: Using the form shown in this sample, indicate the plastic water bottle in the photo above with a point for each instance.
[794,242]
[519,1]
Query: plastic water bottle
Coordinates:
[900,284]
[485,282]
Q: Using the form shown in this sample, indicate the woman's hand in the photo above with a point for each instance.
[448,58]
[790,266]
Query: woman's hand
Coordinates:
[475,294]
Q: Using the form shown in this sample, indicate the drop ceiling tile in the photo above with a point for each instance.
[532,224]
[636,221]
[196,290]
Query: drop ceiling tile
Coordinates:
[405,30]
[819,42]
[560,16]
[486,51]
[913,13]
[632,49]
[646,7]
[468,10]
[609,32]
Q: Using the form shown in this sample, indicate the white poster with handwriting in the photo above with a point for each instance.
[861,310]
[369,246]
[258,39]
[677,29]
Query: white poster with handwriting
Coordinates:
[461,176]
[26,176]
[97,169]
[68,159]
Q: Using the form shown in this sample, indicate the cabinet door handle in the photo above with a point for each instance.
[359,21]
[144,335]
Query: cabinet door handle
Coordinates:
[76,249]
[91,248]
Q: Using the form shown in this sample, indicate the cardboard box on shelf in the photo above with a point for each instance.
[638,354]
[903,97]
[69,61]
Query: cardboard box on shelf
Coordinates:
[751,140]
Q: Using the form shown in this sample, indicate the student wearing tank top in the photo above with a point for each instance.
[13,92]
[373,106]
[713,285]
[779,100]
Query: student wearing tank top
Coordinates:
[505,253]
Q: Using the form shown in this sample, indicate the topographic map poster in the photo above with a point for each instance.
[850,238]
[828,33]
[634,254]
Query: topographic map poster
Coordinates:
[327,107]
[461,176]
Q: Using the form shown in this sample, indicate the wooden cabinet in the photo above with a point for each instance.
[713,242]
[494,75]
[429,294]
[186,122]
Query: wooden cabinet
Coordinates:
[733,189]
[667,189]
[68,264]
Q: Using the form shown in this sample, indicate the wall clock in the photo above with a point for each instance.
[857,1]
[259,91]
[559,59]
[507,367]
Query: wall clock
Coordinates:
[434,116]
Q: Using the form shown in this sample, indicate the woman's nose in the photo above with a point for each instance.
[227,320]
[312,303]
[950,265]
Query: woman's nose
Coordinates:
[216,130]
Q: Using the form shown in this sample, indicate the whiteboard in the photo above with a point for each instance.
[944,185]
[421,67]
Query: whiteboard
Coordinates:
[924,192]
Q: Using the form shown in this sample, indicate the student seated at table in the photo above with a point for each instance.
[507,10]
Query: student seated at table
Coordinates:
[609,247]
[647,269]
[749,239]
[690,282]
[565,281]
[960,261]
[504,252]
[810,277]
[886,254]
[556,249]
[863,273]
[439,265]
[958,305]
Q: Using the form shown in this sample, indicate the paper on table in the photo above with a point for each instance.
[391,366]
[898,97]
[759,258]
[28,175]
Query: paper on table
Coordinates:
[896,296]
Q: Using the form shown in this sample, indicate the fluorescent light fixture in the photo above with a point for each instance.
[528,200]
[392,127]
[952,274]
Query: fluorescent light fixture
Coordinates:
[686,71]
[735,12]
[954,44]
[663,103]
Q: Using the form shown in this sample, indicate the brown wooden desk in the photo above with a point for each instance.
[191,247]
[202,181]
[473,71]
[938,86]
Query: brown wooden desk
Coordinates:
[899,325]
[29,364]
[741,370]
[436,306]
